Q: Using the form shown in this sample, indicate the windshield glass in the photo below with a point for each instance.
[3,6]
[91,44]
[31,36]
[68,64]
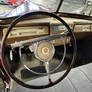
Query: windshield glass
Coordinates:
[53,4]
[82,7]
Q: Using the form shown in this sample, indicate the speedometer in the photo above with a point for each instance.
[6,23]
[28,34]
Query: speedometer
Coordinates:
[60,28]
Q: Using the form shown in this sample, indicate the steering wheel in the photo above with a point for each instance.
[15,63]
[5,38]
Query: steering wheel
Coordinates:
[42,44]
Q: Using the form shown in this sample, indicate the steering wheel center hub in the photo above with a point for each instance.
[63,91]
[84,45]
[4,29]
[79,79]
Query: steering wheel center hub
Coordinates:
[44,51]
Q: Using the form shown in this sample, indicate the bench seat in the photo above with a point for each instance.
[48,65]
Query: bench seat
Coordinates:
[78,80]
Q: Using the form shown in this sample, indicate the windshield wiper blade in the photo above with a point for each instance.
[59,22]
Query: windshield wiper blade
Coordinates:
[58,8]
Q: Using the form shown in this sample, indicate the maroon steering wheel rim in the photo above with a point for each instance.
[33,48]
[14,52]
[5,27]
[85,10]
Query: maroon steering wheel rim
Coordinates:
[6,35]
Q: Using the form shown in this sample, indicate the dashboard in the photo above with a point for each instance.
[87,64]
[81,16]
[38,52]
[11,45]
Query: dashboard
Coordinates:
[43,27]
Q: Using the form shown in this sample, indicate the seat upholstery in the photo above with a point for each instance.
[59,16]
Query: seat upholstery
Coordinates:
[78,80]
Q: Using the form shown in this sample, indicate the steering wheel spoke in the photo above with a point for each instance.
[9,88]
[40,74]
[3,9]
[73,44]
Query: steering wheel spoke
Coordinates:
[35,40]
[47,67]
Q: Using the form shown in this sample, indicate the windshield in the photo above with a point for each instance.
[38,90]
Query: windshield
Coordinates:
[83,7]
[53,4]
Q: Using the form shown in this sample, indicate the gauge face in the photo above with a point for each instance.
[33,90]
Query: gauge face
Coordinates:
[60,28]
